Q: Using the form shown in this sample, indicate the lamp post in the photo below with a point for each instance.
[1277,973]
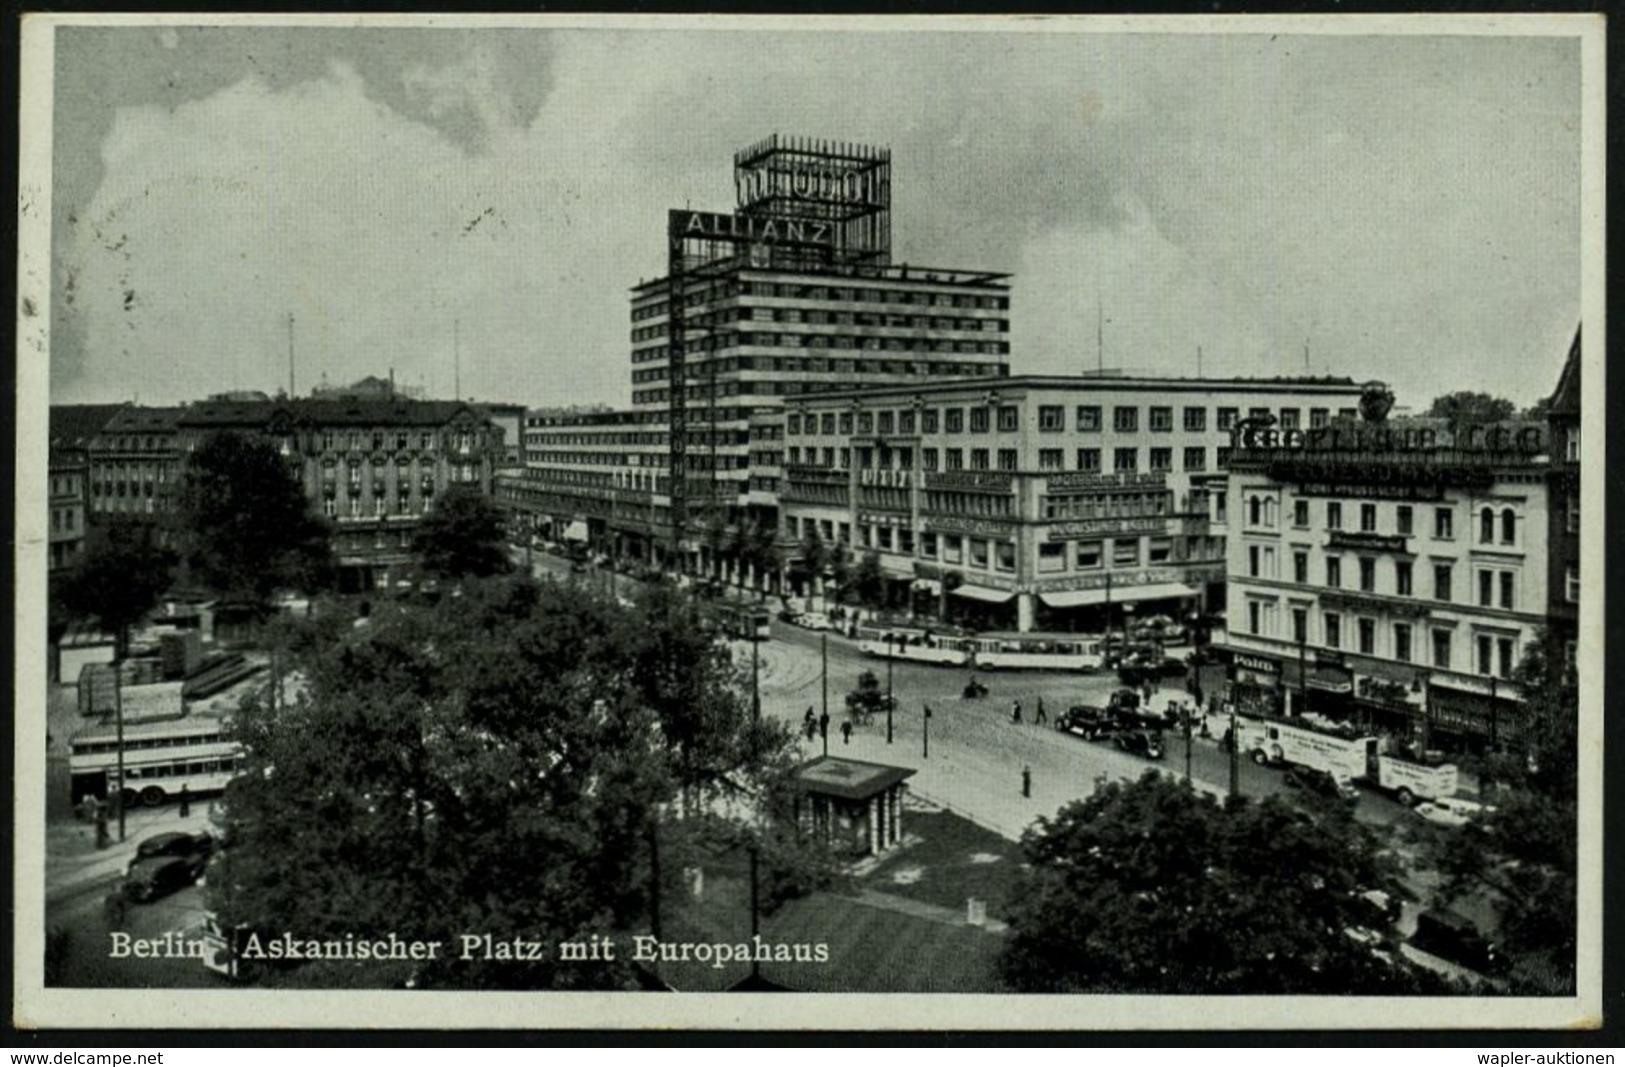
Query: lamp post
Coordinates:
[1303,672]
[925,735]
[823,673]
[755,675]
[889,638]
[1235,756]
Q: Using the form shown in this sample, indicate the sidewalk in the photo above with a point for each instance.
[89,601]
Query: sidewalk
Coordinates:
[72,860]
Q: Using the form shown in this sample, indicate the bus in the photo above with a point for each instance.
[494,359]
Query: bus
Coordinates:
[1039,651]
[745,622]
[915,646]
[160,759]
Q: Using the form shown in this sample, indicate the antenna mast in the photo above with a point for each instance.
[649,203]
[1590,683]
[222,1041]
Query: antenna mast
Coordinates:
[1198,361]
[1100,336]
[291,391]
[456,359]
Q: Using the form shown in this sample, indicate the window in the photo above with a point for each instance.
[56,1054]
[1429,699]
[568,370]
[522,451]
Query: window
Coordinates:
[1162,459]
[1221,457]
[1506,589]
[1486,654]
[1125,420]
[1334,572]
[1486,526]
[956,420]
[846,424]
[1486,589]
[956,459]
[1300,625]
[952,548]
[1051,557]
[1196,459]
[827,424]
[1348,413]
[1368,518]
[1441,581]
[1126,551]
[1258,413]
[1572,445]
[978,553]
[1332,629]
[1368,636]
[1009,418]
[1402,642]
[1255,617]
[1125,459]
[928,421]
[1089,418]
[1088,459]
[1289,418]
[1402,577]
[1051,418]
[887,420]
[1441,649]
[1300,568]
[1571,583]
[1051,459]
[1317,418]
[978,420]
[905,422]
[1007,459]
[1252,561]
[978,459]
[928,545]
[1368,574]
[1087,554]
[1509,526]
[1196,419]
[1571,513]
[1006,558]
[1334,515]
[1226,420]
[1271,566]
[1161,420]
[1300,513]
[1403,518]
[1505,654]
[866,422]
[1444,524]
[1160,548]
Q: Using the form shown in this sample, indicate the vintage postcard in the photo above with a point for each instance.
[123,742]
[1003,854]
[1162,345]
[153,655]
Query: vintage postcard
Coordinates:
[1038,523]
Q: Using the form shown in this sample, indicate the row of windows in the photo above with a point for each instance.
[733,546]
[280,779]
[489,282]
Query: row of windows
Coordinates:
[956,549]
[1124,460]
[803,387]
[1051,418]
[733,287]
[815,317]
[836,341]
[1494,527]
[1160,419]
[1496,588]
[1495,655]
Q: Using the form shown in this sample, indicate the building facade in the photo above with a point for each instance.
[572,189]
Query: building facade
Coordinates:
[1390,573]
[1056,504]
[371,467]
[793,293]
[1563,577]
[72,429]
[135,462]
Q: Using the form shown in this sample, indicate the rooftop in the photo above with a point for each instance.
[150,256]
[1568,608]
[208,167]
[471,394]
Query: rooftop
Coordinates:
[849,779]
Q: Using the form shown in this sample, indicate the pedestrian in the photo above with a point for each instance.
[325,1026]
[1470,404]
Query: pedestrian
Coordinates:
[1039,718]
[1145,690]
[846,733]
[1027,781]
[823,725]
[186,801]
[1015,712]
[103,838]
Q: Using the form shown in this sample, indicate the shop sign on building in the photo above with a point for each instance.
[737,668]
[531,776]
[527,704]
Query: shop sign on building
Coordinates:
[1368,541]
[987,481]
[1082,482]
[1116,579]
[746,229]
[979,527]
[1417,491]
[1071,531]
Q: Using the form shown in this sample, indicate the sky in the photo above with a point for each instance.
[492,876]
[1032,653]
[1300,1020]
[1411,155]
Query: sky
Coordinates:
[468,208]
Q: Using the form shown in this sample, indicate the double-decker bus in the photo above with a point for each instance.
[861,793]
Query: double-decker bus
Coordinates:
[745,622]
[915,646]
[1039,651]
[160,759]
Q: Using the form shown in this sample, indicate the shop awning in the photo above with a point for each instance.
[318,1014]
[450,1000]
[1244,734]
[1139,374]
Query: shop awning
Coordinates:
[984,594]
[576,531]
[1155,591]
[1073,599]
[1327,679]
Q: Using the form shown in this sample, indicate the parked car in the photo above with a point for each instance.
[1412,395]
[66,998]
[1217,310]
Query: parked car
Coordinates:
[165,863]
[1089,723]
[1453,937]
[1450,811]
[813,620]
[1138,742]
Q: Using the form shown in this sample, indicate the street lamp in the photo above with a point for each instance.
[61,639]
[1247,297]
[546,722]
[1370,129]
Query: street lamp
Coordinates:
[889,638]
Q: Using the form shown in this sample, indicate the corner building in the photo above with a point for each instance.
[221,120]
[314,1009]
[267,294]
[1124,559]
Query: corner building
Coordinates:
[1055,504]
[1389,573]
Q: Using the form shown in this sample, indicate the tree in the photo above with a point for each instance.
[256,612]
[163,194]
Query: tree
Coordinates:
[244,523]
[462,536]
[869,581]
[501,763]
[1468,408]
[1152,887]
[1524,853]
[810,567]
[119,578]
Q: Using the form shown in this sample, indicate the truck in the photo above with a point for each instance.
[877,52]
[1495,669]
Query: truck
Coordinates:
[1348,756]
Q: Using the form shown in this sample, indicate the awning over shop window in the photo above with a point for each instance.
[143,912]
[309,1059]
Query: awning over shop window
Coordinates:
[1074,599]
[1155,591]
[1326,679]
[984,594]
[576,531]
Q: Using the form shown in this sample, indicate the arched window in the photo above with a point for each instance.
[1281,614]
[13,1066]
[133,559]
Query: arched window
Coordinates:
[1254,505]
[1486,526]
[1269,512]
[1509,526]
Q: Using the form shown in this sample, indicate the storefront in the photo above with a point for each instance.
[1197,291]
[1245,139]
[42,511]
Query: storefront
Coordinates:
[1458,719]
[1255,683]
[1328,689]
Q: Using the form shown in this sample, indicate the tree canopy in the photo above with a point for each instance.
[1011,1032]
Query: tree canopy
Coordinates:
[499,763]
[1467,407]
[244,523]
[120,576]
[1152,887]
[462,536]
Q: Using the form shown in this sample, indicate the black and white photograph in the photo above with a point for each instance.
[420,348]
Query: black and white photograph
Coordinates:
[974,523]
